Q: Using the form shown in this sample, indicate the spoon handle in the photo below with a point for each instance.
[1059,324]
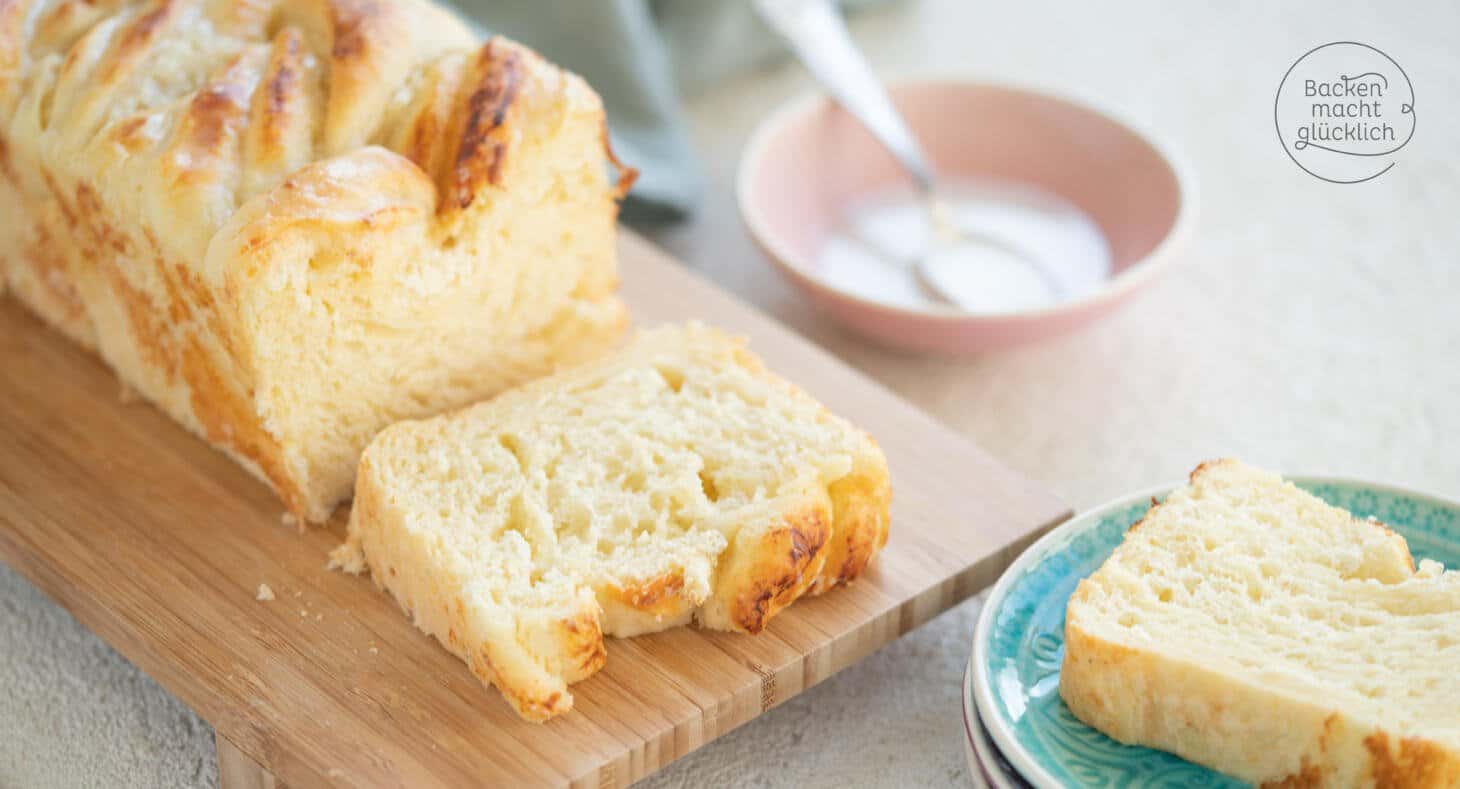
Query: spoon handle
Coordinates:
[817,35]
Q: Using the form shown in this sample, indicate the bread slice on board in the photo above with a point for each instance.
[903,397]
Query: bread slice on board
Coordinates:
[1248,626]
[675,481]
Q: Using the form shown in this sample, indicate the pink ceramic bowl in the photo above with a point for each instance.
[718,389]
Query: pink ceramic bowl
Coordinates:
[806,162]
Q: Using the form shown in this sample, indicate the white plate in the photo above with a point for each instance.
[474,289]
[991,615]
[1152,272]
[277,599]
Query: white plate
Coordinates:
[986,766]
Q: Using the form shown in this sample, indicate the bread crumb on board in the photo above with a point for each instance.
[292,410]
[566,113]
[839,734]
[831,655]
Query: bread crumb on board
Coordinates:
[265,593]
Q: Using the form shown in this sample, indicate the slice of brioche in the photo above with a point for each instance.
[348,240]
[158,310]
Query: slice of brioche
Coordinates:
[677,480]
[1248,626]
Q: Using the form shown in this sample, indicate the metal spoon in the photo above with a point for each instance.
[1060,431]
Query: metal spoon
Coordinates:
[816,34]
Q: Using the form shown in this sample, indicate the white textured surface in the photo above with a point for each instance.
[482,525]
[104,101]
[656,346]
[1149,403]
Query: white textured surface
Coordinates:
[1308,326]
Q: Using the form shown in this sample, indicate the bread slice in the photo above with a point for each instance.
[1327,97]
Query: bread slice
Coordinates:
[1248,626]
[675,481]
[290,223]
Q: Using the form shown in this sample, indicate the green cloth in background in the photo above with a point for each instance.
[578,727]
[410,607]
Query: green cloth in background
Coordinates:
[641,56]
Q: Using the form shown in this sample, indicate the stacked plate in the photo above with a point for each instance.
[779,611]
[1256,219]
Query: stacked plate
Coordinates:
[1019,732]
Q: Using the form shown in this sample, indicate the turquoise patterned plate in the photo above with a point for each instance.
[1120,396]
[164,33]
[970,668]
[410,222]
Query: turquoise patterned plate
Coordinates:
[1019,641]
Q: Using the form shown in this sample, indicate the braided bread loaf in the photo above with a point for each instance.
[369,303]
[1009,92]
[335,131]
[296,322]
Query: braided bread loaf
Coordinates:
[289,224]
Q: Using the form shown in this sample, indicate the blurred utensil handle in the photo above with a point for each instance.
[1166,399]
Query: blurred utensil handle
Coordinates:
[816,33]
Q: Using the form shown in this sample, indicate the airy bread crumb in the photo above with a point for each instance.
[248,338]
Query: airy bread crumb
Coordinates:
[675,481]
[1249,626]
[265,593]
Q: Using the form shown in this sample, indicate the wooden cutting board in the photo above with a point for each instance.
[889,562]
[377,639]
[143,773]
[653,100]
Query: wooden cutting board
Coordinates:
[159,544]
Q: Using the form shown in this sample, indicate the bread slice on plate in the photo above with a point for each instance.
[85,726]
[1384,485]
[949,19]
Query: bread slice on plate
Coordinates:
[675,481]
[1248,626]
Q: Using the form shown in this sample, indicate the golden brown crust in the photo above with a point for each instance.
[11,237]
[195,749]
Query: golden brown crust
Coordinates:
[224,417]
[6,171]
[1205,466]
[203,145]
[583,640]
[278,138]
[661,596]
[48,268]
[1410,762]
[102,65]
[64,22]
[1308,776]
[366,45]
[626,175]
[424,130]
[1392,763]
[480,128]
[786,560]
[861,504]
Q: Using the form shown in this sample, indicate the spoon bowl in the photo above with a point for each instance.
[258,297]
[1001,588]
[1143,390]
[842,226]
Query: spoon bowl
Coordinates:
[810,163]
[957,267]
